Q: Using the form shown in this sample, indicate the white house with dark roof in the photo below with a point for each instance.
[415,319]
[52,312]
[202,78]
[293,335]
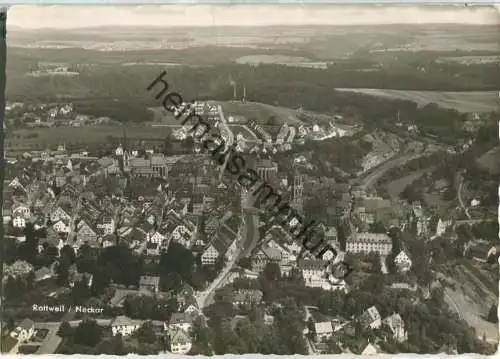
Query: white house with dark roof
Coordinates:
[223,244]
[180,341]
[124,325]
[324,330]
[19,222]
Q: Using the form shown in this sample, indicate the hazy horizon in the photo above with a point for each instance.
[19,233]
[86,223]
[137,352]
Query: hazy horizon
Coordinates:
[37,17]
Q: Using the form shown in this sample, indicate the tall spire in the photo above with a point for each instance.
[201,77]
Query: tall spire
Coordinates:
[124,141]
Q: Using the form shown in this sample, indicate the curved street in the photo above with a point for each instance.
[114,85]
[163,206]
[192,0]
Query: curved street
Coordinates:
[371,179]
[248,237]
[251,231]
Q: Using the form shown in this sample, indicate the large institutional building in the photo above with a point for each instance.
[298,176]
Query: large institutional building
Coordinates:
[369,242]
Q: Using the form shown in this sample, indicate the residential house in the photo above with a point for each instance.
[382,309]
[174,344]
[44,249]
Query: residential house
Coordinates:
[18,183]
[371,349]
[183,321]
[106,224]
[24,331]
[21,210]
[61,226]
[315,276]
[442,226]
[58,213]
[403,262]
[264,256]
[108,240]
[124,325]
[150,283]
[397,327]
[43,274]
[134,237]
[153,249]
[324,331]
[156,238]
[75,277]
[85,232]
[17,269]
[371,318]
[223,245]
[19,222]
[180,341]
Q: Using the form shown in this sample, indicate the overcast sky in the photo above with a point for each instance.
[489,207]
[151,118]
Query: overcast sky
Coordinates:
[68,16]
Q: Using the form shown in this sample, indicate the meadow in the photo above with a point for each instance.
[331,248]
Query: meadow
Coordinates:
[462,101]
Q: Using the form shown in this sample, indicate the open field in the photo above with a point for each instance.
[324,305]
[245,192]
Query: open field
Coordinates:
[469,60]
[491,160]
[397,186]
[474,101]
[245,131]
[472,298]
[50,137]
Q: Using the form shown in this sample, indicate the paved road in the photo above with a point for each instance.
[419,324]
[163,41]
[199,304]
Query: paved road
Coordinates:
[51,341]
[225,127]
[371,179]
[206,297]
[251,233]
[459,195]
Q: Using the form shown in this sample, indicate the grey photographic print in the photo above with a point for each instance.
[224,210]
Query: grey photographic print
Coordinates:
[235,179]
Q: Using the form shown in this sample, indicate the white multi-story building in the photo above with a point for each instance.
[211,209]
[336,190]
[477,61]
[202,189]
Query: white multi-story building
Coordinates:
[19,222]
[369,242]
[324,331]
[315,275]
[124,326]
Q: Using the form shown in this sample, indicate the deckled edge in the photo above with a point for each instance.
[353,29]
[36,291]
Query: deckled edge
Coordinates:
[3,74]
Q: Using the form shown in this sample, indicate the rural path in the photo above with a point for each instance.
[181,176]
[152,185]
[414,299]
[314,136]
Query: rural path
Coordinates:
[459,195]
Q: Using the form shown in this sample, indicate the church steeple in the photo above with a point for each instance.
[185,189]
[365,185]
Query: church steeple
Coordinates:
[124,139]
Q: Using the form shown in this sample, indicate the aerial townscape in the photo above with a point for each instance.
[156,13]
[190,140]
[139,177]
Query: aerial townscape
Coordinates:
[122,235]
